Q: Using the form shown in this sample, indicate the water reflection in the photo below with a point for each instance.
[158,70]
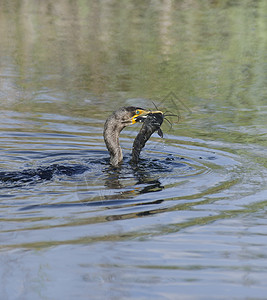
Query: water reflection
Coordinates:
[191,49]
[194,212]
[142,176]
[124,182]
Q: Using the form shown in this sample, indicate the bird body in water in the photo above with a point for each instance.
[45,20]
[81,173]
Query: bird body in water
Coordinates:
[116,122]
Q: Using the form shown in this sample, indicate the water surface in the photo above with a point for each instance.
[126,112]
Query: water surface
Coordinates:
[189,222]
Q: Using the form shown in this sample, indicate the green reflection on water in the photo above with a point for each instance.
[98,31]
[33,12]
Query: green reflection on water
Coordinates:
[210,54]
[211,50]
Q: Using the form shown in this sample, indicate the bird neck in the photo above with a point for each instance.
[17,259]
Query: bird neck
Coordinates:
[111,137]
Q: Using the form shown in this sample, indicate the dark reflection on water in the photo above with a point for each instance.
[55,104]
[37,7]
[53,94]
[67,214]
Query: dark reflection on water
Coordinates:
[189,221]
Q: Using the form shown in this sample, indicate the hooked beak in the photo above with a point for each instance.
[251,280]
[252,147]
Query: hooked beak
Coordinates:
[143,115]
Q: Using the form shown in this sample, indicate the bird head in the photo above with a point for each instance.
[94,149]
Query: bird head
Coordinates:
[134,114]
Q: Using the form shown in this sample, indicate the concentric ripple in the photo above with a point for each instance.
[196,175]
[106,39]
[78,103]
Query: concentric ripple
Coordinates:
[60,178]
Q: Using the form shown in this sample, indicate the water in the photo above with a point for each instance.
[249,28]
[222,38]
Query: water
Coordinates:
[190,221]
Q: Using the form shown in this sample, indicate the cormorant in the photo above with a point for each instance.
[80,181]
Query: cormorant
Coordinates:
[116,122]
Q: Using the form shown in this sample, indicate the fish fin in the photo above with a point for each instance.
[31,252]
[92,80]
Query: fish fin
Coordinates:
[160,133]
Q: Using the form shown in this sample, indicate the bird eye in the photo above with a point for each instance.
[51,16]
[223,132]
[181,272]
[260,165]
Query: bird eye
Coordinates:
[137,112]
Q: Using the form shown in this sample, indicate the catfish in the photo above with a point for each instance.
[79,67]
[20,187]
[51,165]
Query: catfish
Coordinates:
[151,124]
